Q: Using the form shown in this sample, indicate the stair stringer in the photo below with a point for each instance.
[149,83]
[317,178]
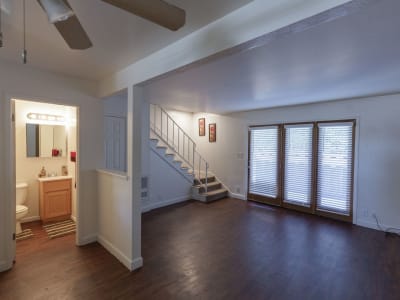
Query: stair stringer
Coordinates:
[175,166]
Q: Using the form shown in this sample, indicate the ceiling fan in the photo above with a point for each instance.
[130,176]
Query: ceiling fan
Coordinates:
[61,14]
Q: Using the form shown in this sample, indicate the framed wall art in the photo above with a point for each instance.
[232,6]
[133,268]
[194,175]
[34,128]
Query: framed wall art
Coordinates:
[212,132]
[202,127]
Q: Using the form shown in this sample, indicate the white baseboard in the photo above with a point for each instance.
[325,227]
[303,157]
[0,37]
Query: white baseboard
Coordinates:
[73,218]
[160,204]
[30,219]
[87,240]
[372,225]
[237,196]
[128,263]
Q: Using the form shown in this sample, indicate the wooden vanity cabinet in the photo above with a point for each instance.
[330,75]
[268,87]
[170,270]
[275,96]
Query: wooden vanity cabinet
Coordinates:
[55,200]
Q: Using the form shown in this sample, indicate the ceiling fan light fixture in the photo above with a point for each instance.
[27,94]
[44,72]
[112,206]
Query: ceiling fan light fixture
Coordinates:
[56,10]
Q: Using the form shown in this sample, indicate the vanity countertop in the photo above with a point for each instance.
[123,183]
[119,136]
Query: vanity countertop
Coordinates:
[54,178]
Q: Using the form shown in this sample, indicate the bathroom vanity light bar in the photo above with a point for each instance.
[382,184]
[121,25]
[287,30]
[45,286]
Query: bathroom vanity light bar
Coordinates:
[45,117]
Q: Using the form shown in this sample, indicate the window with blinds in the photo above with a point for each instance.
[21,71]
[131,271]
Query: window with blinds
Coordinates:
[335,167]
[263,162]
[298,164]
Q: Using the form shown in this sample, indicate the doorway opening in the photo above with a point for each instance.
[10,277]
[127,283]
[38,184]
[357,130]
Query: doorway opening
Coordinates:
[46,174]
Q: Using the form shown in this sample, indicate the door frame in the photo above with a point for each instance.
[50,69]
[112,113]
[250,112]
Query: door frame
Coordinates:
[10,201]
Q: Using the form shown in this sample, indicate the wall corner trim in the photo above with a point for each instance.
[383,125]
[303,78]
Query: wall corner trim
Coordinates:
[87,240]
[238,196]
[137,263]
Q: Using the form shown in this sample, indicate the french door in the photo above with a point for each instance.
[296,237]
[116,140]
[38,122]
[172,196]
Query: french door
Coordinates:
[307,167]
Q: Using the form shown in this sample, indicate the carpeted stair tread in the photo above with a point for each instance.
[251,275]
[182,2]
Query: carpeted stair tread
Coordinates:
[216,192]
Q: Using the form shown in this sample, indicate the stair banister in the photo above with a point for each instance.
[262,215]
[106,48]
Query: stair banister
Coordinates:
[187,159]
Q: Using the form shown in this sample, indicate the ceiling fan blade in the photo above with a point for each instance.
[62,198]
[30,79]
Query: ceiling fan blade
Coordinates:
[156,11]
[73,33]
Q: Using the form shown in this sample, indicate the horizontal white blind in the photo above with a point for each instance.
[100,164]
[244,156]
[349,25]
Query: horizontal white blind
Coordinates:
[335,167]
[297,182]
[264,150]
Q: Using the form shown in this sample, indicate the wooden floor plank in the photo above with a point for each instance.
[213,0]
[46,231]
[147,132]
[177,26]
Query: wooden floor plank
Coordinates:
[229,249]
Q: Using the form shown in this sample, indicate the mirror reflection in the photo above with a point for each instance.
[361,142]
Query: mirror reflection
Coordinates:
[46,140]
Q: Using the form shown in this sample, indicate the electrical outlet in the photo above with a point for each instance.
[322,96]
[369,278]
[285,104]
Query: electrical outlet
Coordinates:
[237,189]
[365,212]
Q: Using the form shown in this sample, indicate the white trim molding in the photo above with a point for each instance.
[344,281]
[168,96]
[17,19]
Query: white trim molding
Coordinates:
[373,225]
[149,207]
[126,261]
[238,196]
[87,240]
[112,173]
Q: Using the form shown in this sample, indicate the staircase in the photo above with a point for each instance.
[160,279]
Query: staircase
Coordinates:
[169,141]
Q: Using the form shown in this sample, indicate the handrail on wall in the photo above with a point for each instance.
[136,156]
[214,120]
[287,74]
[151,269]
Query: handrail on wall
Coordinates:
[177,140]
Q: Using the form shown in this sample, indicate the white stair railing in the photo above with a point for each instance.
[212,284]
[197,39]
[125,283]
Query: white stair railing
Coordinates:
[178,141]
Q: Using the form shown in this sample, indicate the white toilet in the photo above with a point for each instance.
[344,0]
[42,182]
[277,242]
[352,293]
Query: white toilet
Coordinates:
[20,209]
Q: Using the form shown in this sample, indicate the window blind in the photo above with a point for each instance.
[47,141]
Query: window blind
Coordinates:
[297,183]
[263,163]
[335,167]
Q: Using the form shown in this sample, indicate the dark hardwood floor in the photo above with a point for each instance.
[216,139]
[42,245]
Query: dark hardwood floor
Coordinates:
[229,249]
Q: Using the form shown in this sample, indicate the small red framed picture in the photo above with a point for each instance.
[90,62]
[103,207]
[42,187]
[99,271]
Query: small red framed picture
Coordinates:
[202,127]
[212,132]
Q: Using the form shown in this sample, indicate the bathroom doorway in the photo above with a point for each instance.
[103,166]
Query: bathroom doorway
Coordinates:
[46,174]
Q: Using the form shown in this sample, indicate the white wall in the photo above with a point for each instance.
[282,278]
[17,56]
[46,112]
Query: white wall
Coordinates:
[119,201]
[73,146]
[377,188]
[24,82]
[115,215]
[183,119]
[166,185]
[226,157]
[28,168]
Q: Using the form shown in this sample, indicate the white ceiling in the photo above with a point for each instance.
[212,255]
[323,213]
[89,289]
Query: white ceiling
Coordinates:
[119,37]
[352,56]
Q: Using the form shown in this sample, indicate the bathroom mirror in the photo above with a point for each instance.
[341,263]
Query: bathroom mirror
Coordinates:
[46,140]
